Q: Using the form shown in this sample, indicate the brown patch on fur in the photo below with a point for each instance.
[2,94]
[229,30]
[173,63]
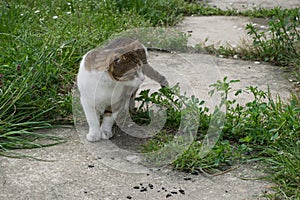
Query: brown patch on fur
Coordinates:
[118,57]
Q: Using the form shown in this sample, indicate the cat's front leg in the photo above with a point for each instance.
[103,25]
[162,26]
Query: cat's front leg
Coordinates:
[92,116]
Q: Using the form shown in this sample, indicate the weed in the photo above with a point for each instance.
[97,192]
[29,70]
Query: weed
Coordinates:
[279,44]
[264,129]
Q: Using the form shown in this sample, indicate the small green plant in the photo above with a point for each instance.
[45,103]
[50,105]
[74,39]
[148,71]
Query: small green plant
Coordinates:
[265,129]
[280,43]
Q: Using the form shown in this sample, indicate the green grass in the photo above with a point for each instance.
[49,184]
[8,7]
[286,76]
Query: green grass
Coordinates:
[43,41]
[41,45]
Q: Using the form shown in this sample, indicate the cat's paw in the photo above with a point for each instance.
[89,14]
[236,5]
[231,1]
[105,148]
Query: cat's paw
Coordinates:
[106,134]
[94,136]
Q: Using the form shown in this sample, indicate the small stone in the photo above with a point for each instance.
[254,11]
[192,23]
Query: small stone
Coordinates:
[256,62]
[235,56]
[263,27]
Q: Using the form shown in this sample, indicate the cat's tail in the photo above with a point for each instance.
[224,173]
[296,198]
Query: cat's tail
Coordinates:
[149,71]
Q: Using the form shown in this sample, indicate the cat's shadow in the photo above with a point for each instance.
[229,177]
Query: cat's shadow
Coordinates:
[126,141]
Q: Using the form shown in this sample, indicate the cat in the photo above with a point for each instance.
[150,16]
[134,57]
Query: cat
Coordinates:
[108,80]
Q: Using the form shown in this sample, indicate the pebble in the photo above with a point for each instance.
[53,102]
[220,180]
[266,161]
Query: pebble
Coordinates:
[263,27]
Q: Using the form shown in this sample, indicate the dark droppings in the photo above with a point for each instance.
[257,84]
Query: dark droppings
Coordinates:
[91,166]
[182,191]
[143,187]
[151,186]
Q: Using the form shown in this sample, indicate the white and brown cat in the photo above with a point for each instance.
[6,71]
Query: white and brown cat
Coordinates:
[108,79]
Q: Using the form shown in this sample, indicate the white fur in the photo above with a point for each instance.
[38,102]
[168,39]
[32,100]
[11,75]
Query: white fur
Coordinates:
[97,92]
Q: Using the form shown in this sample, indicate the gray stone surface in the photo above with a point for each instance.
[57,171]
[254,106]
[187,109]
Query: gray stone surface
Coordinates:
[252,4]
[73,172]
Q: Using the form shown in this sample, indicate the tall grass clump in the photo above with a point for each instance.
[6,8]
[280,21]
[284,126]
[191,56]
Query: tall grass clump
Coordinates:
[41,45]
[160,12]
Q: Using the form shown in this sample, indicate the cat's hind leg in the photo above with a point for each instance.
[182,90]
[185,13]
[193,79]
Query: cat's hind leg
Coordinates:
[107,123]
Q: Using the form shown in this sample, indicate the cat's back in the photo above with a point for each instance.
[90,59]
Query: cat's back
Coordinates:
[119,42]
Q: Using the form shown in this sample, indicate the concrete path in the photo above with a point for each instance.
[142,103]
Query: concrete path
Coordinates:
[252,4]
[109,170]
[73,172]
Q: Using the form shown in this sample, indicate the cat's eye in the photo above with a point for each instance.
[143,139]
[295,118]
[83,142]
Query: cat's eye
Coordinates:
[117,60]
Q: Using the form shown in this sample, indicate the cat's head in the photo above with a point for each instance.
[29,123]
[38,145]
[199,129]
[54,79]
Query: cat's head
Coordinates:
[126,66]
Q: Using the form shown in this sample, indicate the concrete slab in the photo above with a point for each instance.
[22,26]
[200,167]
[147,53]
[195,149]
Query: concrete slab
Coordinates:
[228,31]
[252,4]
[74,173]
